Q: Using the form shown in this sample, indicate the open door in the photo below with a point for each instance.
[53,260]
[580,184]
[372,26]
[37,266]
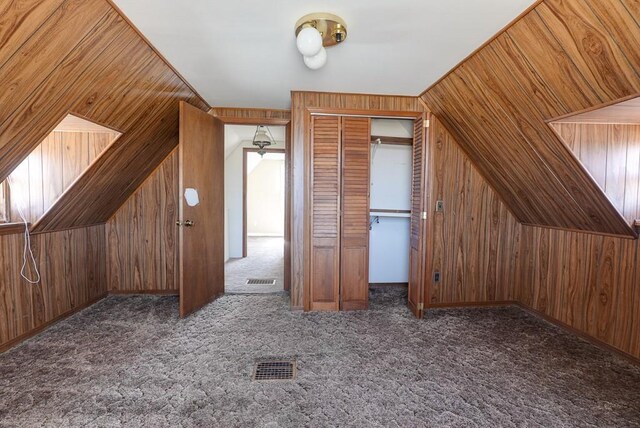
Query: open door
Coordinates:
[201,208]
[418,220]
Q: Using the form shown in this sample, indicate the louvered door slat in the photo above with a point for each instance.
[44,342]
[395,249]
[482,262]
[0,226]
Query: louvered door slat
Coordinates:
[325,213]
[418,195]
[354,252]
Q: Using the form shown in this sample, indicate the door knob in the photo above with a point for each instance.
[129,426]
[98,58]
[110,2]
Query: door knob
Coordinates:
[178,223]
[188,223]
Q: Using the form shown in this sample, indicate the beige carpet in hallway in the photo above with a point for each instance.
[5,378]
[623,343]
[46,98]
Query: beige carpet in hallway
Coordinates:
[265,259]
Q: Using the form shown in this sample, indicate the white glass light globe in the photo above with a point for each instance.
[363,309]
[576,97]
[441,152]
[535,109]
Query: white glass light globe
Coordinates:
[317,61]
[309,41]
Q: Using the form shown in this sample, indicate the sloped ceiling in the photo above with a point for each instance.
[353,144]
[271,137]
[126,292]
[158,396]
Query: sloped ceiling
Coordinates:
[562,57]
[82,57]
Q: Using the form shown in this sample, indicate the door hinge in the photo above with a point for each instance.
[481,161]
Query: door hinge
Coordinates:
[424,215]
[420,306]
[427,123]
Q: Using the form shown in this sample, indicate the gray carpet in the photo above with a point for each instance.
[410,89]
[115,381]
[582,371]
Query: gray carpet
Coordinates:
[265,259]
[129,361]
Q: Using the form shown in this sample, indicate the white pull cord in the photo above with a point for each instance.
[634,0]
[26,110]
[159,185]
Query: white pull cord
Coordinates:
[27,254]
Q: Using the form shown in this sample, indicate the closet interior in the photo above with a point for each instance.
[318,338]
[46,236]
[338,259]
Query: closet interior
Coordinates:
[366,209]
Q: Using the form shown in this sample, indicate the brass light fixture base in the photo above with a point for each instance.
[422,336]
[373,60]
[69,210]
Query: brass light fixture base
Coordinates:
[332,28]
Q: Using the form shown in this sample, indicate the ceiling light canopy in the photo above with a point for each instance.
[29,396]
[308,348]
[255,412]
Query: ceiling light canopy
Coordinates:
[316,31]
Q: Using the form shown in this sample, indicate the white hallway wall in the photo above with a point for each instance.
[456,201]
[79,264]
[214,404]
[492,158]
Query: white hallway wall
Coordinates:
[233,199]
[265,197]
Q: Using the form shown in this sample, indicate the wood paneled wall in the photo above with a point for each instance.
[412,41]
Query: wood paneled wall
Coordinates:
[474,242]
[51,168]
[563,56]
[301,102]
[611,154]
[587,282]
[142,236]
[84,57]
[72,266]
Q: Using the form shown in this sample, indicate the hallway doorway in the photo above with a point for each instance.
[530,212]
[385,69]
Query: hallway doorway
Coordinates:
[255,219]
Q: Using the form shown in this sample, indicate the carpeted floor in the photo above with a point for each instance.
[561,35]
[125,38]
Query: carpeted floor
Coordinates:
[129,361]
[265,259]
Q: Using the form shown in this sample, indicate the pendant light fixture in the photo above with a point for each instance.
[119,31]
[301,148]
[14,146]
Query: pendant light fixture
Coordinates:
[315,32]
[263,138]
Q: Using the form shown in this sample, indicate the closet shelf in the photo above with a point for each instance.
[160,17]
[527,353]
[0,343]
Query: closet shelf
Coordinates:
[389,213]
[11,228]
[400,141]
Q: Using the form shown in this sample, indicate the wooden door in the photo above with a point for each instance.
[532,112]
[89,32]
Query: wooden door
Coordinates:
[201,236]
[354,244]
[418,220]
[324,280]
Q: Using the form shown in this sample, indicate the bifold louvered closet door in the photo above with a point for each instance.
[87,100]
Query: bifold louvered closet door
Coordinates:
[339,213]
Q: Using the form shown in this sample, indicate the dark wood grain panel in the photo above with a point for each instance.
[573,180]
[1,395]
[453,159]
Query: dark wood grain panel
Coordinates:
[84,57]
[474,242]
[52,167]
[251,116]
[19,20]
[142,252]
[72,266]
[611,154]
[588,282]
[561,57]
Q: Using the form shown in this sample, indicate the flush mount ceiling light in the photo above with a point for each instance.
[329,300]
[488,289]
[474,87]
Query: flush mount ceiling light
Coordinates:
[262,138]
[314,33]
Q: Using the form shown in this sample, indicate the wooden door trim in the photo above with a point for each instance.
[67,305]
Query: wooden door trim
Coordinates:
[245,151]
[372,114]
[256,117]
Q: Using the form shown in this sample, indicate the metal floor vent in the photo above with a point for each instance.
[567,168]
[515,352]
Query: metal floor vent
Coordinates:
[275,369]
[261,281]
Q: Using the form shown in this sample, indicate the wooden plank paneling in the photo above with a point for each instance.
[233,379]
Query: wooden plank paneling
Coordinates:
[587,282]
[474,241]
[301,102]
[354,225]
[52,167]
[142,252]
[562,56]
[611,154]
[72,266]
[84,57]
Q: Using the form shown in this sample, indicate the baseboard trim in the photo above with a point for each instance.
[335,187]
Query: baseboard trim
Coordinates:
[144,292]
[17,340]
[470,304]
[585,336]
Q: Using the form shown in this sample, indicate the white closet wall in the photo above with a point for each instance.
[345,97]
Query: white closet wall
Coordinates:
[390,190]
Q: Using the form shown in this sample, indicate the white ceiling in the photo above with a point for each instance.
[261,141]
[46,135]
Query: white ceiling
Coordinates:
[243,54]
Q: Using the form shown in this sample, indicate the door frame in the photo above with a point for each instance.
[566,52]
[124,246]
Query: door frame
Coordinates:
[269,117]
[245,152]
[308,113]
